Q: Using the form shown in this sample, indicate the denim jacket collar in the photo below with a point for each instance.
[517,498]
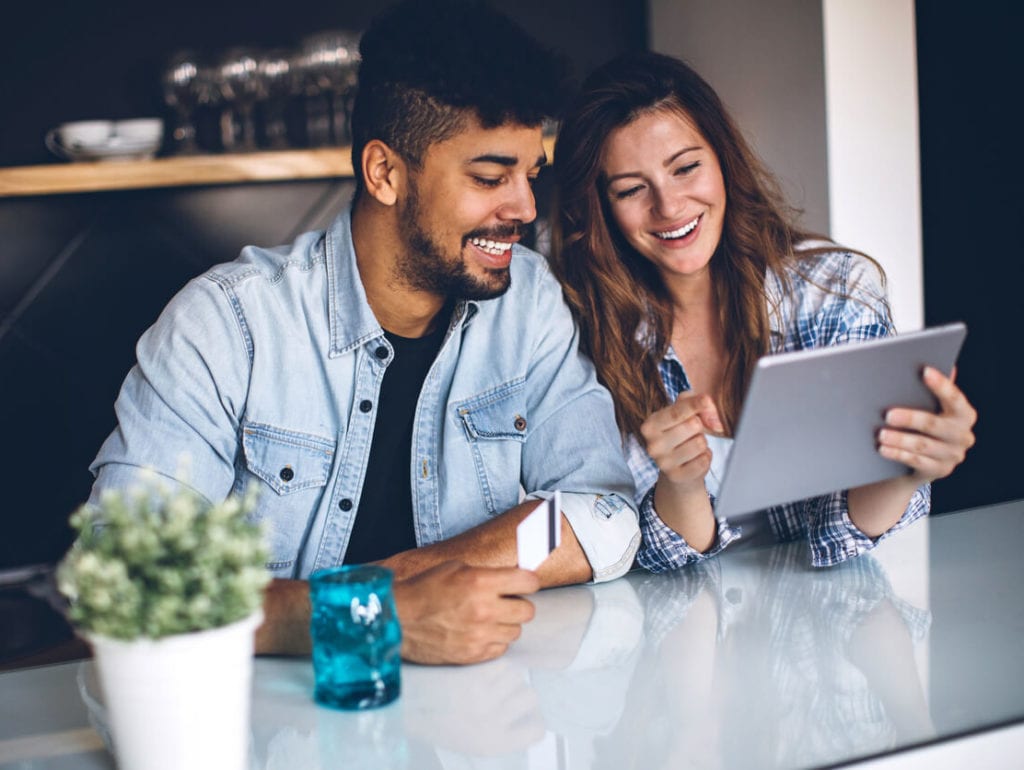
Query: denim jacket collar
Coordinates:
[352,322]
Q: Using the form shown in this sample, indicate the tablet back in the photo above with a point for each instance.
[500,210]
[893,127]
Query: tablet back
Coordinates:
[810,417]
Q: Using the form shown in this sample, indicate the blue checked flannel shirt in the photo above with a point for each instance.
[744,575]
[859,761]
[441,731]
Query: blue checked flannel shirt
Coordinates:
[854,308]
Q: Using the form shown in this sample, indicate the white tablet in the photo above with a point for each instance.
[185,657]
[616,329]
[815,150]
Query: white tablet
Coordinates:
[810,418]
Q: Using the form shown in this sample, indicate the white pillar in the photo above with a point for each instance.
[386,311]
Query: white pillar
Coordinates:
[873,148]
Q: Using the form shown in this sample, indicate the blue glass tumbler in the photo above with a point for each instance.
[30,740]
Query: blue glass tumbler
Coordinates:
[356,637]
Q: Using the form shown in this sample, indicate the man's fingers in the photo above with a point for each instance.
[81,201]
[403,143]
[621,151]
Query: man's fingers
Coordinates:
[510,581]
[516,610]
[455,613]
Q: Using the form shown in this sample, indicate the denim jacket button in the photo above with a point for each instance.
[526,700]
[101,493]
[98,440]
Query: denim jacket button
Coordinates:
[365,406]
[381,352]
[345,505]
[520,423]
[287,474]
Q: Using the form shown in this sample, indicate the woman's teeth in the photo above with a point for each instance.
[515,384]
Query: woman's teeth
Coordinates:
[684,230]
[494,248]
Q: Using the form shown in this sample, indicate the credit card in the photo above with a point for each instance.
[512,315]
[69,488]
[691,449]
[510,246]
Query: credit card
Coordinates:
[540,532]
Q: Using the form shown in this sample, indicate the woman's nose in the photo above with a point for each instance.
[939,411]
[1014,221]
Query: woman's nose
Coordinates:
[667,203]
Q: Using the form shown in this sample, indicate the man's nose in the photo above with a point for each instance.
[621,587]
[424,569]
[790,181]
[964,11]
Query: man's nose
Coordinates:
[519,203]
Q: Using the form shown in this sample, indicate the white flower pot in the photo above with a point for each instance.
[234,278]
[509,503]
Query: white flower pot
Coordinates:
[181,701]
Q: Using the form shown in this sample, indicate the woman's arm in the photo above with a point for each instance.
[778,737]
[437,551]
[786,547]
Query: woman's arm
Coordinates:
[675,441]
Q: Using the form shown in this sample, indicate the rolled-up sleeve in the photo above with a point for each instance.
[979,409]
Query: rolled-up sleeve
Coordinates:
[665,549]
[834,538]
[606,528]
[574,444]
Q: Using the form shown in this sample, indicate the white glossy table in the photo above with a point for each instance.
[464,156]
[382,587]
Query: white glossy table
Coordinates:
[754,661]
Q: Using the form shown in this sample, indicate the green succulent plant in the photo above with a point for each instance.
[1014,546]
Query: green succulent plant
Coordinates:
[152,562]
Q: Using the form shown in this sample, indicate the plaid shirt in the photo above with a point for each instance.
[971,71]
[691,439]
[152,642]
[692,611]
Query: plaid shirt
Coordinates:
[852,308]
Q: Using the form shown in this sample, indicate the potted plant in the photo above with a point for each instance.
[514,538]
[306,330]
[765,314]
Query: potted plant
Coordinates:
[168,590]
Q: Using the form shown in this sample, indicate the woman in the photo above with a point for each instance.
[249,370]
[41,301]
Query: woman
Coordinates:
[683,266]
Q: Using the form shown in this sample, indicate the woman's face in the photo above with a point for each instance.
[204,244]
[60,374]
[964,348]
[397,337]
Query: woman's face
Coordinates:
[665,191]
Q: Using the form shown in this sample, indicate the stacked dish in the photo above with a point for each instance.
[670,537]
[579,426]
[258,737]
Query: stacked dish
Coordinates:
[86,140]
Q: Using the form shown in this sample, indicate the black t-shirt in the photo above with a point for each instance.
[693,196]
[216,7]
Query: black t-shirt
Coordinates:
[384,521]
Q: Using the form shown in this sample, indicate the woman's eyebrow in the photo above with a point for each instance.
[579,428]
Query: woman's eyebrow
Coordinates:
[668,162]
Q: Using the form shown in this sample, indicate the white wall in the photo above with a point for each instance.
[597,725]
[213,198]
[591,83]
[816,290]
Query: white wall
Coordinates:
[764,58]
[873,149]
[826,90]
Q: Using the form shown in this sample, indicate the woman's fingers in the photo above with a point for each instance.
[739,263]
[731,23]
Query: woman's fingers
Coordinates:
[928,456]
[682,411]
[680,441]
[952,400]
[932,444]
[675,437]
[686,461]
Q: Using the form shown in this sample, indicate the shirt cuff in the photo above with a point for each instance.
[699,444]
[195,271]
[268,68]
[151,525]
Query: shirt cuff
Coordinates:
[834,537]
[605,527]
[664,549]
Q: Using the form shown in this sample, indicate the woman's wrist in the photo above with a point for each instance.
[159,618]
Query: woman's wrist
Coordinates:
[686,509]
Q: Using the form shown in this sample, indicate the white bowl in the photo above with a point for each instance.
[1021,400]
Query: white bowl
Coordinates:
[84,133]
[139,130]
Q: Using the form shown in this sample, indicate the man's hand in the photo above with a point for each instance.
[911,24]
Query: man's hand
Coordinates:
[286,615]
[453,613]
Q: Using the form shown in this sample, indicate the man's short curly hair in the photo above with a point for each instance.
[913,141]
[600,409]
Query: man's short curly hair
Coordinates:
[427,65]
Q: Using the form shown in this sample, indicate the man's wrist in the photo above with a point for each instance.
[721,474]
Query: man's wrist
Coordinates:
[287,613]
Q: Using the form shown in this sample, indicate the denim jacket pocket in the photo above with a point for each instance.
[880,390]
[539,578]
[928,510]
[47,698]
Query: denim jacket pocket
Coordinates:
[496,424]
[294,469]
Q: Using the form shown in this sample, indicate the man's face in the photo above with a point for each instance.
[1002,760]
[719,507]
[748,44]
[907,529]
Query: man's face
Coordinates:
[465,208]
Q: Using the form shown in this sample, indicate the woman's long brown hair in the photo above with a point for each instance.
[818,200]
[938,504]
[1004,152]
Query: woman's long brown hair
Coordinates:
[617,296]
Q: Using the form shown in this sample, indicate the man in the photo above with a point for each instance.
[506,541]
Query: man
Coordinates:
[393,382]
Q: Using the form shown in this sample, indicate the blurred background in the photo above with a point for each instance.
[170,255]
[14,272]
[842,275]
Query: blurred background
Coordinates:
[885,119]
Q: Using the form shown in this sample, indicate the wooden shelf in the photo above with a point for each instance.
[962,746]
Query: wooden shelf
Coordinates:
[182,171]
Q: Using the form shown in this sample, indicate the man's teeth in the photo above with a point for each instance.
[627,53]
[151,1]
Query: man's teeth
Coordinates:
[496,248]
[680,232]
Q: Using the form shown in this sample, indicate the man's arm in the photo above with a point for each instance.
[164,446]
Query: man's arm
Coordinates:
[450,613]
[493,544]
[459,601]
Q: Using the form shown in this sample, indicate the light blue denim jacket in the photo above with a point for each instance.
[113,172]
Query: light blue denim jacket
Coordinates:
[269,368]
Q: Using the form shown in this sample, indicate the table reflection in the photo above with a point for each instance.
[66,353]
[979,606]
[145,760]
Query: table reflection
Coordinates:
[749,660]
[751,656]
[763,657]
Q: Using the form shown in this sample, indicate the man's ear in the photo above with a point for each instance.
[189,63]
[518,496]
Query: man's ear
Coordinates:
[384,172]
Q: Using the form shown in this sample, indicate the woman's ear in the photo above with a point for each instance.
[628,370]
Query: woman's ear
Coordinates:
[383,172]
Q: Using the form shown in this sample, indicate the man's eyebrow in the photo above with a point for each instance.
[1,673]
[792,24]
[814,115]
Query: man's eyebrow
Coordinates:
[507,160]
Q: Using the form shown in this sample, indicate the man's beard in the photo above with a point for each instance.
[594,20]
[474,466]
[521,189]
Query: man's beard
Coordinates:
[424,266]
